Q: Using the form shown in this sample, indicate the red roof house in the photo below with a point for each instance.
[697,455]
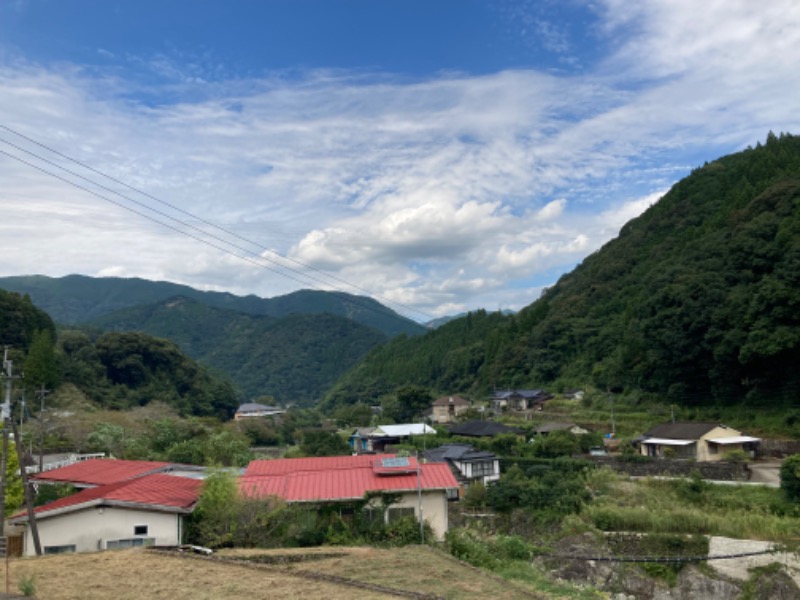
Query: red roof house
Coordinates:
[101,471]
[351,478]
[142,511]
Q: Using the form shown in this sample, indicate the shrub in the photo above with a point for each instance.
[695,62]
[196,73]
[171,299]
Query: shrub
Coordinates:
[790,477]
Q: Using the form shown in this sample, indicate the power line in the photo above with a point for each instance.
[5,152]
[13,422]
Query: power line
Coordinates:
[188,225]
[353,299]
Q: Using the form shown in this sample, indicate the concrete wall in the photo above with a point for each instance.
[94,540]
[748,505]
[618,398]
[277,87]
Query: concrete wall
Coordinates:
[86,527]
[434,509]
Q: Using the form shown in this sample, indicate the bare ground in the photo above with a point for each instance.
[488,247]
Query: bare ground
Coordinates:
[136,574]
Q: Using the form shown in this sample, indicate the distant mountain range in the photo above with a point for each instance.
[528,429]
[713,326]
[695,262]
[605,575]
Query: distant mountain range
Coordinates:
[292,347]
[76,299]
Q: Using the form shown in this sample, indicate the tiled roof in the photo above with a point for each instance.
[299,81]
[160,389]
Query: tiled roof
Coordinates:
[681,430]
[460,452]
[101,471]
[448,400]
[337,478]
[156,492]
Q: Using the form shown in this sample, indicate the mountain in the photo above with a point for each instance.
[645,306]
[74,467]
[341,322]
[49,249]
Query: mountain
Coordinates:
[20,320]
[295,358]
[77,299]
[696,301]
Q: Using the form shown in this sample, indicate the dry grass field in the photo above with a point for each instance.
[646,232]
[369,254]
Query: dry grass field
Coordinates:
[136,574]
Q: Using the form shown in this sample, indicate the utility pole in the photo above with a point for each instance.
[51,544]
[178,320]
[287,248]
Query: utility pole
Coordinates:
[27,490]
[42,392]
[8,368]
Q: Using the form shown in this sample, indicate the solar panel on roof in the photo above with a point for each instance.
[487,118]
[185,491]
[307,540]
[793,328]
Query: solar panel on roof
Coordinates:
[397,461]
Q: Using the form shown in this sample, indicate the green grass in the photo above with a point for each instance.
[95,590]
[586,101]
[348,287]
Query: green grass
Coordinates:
[685,507]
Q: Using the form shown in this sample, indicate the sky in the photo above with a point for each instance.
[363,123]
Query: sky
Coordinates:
[438,155]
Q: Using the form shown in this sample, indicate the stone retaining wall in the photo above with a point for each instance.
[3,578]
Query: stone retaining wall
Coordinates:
[778,448]
[718,471]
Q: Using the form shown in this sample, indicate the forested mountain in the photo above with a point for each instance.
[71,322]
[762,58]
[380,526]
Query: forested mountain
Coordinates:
[20,320]
[76,299]
[125,370]
[115,370]
[697,301]
[294,359]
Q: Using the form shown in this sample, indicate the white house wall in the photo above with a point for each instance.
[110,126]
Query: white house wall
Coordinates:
[434,509]
[86,527]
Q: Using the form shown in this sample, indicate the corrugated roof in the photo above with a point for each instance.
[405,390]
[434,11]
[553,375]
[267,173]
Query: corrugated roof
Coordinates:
[281,466]
[403,430]
[296,481]
[101,471]
[157,492]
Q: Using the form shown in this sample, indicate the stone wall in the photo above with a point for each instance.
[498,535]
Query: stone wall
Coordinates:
[718,471]
[778,448]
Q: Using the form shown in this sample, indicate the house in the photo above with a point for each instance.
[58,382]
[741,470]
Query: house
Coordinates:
[574,394]
[376,439]
[519,400]
[103,471]
[482,429]
[359,439]
[468,464]
[143,511]
[549,427]
[337,479]
[699,441]
[251,409]
[447,409]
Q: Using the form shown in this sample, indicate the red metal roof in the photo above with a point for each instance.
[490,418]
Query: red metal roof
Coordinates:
[100,471]
[346,478]
[151,491]
[281,466]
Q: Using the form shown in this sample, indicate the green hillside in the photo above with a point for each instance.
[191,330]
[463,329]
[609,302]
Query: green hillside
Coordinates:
[295,359]
[76,299]
[696,301]
[20,320]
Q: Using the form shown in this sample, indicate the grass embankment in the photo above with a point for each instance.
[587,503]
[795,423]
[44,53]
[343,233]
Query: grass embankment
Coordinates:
[689,507]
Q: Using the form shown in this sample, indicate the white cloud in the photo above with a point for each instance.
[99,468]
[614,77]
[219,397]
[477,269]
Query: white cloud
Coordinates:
[458,191]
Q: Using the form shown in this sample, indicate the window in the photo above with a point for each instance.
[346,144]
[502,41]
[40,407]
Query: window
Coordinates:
[140,530]
[394,514]
[59,549]
[480,469]
[129,543]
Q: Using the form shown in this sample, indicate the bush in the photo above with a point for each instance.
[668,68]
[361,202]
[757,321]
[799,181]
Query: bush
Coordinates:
[790,477]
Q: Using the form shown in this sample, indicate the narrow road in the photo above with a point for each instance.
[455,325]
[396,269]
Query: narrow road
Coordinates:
[766,473]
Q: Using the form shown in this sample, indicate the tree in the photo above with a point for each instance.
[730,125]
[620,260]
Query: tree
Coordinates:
[318,442]
[214,518]
[15,495]
[41,367]
[790,477]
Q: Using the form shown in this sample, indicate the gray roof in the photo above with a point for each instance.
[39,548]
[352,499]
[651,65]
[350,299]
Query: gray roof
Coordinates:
[681,430]
[255,407]
[460,452]
[501,394]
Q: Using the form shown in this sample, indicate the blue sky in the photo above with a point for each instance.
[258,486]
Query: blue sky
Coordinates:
[443,155]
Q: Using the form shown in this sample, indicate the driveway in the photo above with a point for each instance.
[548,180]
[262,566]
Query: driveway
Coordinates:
[766,473]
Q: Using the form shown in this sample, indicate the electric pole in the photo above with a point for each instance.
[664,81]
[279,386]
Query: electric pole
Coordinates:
[41,392]
[8,373]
